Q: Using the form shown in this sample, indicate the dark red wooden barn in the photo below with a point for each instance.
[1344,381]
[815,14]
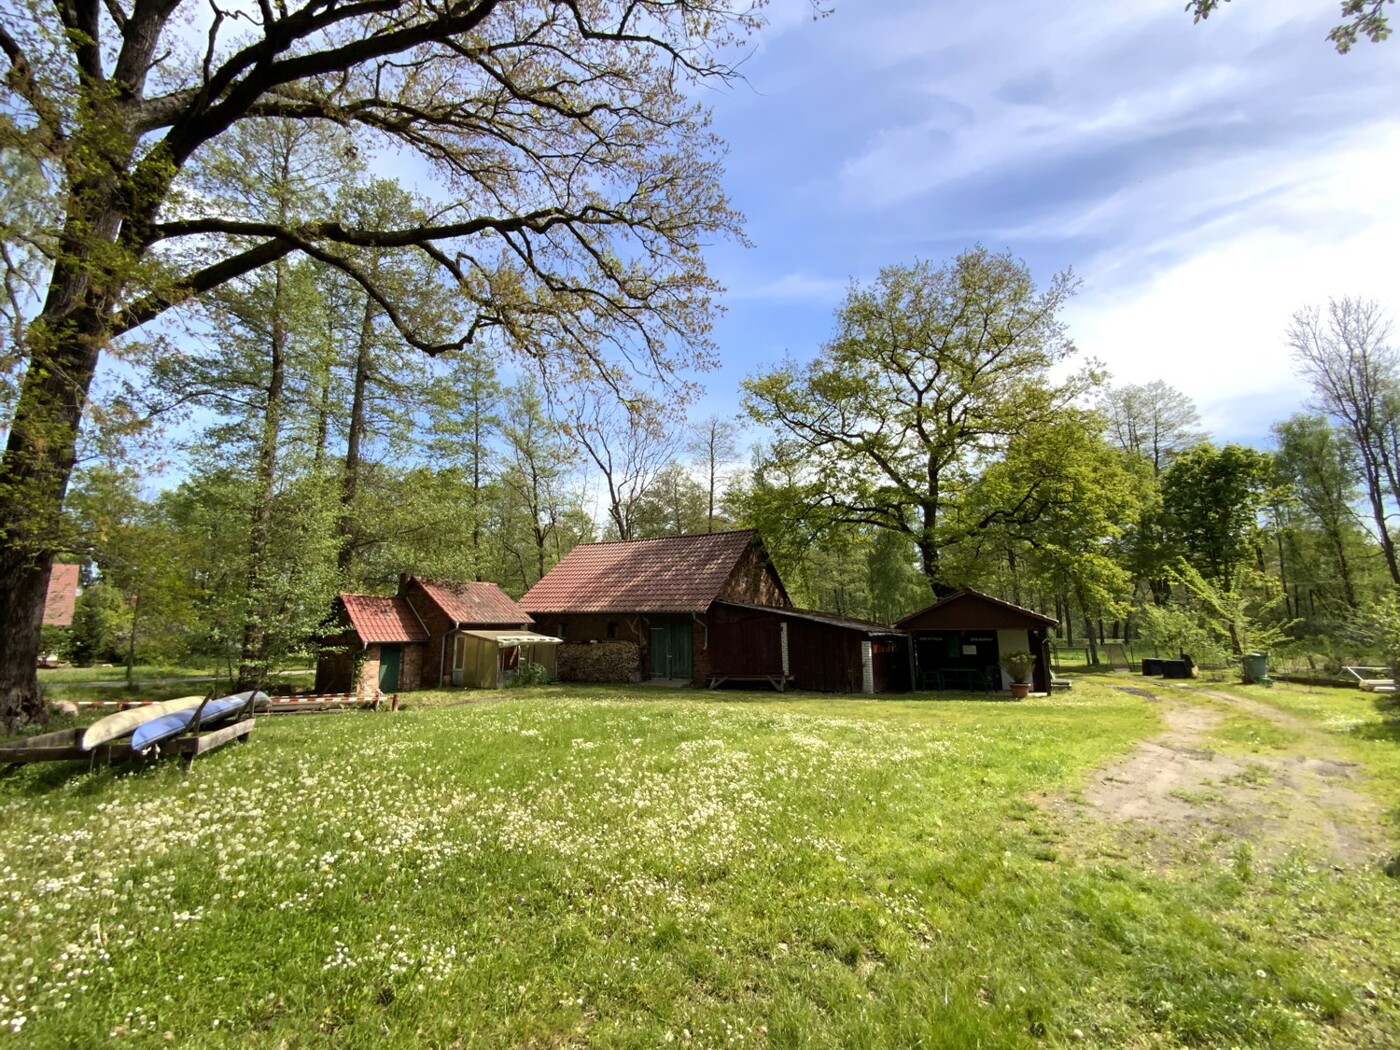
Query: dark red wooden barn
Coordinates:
[957,642]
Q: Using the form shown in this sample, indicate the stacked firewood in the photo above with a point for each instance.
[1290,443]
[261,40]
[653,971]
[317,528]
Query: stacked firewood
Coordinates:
[600,662]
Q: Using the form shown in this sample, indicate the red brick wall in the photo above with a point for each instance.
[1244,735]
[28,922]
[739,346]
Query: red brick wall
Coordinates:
[434,670]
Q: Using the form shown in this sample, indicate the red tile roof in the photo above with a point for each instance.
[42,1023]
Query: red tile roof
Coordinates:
[383,618]
[666,574]
[62,596]
[468,603]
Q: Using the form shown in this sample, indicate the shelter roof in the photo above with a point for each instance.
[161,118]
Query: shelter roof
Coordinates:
[969,609]
[62,595]
[507,639]
[680,574]
[869,627]
[383,618]
[468,602]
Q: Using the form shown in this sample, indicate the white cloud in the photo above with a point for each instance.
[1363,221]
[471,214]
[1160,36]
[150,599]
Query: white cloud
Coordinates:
[790,286]
[1211,321]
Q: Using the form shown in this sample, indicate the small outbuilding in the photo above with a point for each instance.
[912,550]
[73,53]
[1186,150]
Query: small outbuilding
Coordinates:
[490,657]
[427,635]
[958,642]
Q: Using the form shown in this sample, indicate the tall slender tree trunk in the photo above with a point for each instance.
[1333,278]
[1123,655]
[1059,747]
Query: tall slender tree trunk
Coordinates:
[1091,643]
[1376,497]
[350,480]
[476,491]
[1343,568]
[131,642]
[253,656]
[1288,602]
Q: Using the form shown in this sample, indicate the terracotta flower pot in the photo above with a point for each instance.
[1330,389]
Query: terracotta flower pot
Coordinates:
[1020,690]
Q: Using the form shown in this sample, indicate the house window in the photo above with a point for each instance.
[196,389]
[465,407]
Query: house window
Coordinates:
[612,630]
[563,630]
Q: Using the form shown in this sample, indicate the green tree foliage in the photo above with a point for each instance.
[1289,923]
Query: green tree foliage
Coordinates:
[932,372]
[1213,498]
[1361,18]
[1244,619]
[129,547]
[1316,470]
[1346,354]
[578,182]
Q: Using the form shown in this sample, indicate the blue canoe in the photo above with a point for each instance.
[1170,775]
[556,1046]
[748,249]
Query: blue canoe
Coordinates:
[175,723]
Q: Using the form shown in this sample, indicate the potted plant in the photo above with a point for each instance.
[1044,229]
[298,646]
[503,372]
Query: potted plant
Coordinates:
[1019,665]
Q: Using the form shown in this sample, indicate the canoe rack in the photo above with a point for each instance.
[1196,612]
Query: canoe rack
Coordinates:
[63,744]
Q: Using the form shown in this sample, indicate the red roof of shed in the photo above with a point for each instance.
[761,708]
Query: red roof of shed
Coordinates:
[970,609]
[665,574]
[383,618]
[62,595]
[472,602]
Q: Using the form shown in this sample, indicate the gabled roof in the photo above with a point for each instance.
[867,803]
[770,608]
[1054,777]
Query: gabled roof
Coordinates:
[972,610]
[680,574]
[869,627]
[383,618]
[465,602]
[62,595]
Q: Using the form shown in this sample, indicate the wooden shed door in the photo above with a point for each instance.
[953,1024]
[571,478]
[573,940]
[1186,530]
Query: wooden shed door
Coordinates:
[389,669]
[670,650]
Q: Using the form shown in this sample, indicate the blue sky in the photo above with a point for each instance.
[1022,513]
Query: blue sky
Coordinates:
[1204,181]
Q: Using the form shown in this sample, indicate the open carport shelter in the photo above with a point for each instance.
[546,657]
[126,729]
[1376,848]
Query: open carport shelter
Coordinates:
[957,643]
[490,657]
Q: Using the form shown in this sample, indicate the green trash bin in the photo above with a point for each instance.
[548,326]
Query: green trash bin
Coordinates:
[1256,667]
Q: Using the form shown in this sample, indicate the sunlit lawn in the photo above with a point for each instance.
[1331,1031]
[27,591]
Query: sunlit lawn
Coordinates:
[605,868]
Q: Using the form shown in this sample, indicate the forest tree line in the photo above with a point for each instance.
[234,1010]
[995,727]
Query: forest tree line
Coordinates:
[943,437]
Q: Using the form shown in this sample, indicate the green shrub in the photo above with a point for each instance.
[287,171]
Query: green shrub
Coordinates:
[527,674]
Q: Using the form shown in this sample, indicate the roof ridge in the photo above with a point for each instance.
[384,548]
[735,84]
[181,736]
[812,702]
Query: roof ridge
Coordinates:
[656,539]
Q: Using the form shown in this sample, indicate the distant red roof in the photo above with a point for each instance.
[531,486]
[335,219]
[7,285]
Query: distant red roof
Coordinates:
[62,596]
[666,574]
[468,603]
[383,618]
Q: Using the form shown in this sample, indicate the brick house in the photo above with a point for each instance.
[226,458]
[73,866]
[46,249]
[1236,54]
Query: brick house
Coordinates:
[423,637]
[657,593]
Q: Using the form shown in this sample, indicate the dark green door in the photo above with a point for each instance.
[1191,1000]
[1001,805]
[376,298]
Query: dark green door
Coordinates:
[670,650]
[389,669]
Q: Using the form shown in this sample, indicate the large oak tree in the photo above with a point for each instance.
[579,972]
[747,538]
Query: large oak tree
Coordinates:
[932,373]
[578,182]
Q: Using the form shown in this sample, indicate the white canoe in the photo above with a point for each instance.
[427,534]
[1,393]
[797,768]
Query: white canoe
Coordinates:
[124,722]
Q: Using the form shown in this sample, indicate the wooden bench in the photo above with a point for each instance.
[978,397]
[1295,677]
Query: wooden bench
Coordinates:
[777,681]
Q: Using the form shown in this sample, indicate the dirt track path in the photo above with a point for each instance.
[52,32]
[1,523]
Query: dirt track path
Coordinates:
[1175,790]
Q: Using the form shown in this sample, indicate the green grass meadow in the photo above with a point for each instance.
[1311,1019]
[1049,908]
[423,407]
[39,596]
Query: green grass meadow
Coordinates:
[595,867]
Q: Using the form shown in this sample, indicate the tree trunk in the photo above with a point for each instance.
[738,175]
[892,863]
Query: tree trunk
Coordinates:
[131,642]
[350,481]
[34,471]
[1375,496]
[253,656]
[1283,576]
[1091,643]
[1343,569]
